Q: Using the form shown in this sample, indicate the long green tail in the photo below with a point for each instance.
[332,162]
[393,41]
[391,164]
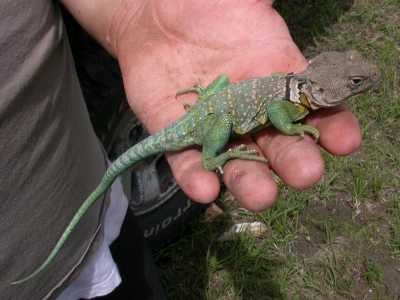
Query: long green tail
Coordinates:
[153,144]
[101,188]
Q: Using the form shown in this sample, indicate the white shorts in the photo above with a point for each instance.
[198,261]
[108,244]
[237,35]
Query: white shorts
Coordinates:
[100,276]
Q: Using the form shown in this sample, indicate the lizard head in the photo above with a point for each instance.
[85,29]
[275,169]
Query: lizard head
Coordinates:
[333,77]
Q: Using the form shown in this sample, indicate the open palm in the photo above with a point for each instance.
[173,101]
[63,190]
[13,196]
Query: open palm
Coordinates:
[164,46]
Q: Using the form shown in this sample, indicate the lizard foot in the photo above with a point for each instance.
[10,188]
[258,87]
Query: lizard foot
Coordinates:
[243,152]
[302,129]
[240,152]
[195,89]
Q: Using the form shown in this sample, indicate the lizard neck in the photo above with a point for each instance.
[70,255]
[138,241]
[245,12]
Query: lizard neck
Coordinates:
[295,92]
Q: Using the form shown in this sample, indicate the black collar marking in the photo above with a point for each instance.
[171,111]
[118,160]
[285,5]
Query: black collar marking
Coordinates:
[289,77]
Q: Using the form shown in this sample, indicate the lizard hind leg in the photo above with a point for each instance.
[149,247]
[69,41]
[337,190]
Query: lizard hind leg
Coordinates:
[204,92]
[215,139]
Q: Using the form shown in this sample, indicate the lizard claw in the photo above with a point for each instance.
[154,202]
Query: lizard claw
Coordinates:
[220,170]
[187,106]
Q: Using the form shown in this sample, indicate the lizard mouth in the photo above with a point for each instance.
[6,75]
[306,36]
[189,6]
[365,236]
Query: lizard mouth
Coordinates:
[311,96]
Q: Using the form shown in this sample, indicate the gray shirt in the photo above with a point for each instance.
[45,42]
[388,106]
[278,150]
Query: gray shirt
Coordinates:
[50,158]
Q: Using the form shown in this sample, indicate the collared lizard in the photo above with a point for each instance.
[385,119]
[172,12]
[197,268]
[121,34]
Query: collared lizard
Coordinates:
[226,109]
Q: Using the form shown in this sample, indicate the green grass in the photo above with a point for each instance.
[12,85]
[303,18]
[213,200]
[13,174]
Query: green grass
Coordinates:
[341,239]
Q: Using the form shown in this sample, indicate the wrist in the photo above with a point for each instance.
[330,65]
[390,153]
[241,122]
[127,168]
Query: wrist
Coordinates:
[125,15]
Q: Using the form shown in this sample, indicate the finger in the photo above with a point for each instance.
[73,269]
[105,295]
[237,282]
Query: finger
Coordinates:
[340,130]
[250,182]
[200,185]
[296,160]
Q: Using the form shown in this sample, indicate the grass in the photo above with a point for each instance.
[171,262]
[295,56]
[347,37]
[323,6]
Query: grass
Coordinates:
[341,239]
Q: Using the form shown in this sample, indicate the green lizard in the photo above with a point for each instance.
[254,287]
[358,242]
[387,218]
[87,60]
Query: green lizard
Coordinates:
[227,109]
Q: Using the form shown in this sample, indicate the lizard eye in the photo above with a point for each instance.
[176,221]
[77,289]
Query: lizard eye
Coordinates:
[357,81]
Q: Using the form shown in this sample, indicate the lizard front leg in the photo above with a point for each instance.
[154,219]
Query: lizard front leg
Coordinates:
[283,114]
[218,130]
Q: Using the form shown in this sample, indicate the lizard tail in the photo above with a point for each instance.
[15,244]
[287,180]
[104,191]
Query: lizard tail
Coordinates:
[151,145]
[75,220]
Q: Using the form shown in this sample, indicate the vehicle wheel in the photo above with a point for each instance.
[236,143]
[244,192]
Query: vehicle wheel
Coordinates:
[162,209]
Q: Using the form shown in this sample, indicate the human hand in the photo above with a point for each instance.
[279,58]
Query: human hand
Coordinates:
[163,46]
